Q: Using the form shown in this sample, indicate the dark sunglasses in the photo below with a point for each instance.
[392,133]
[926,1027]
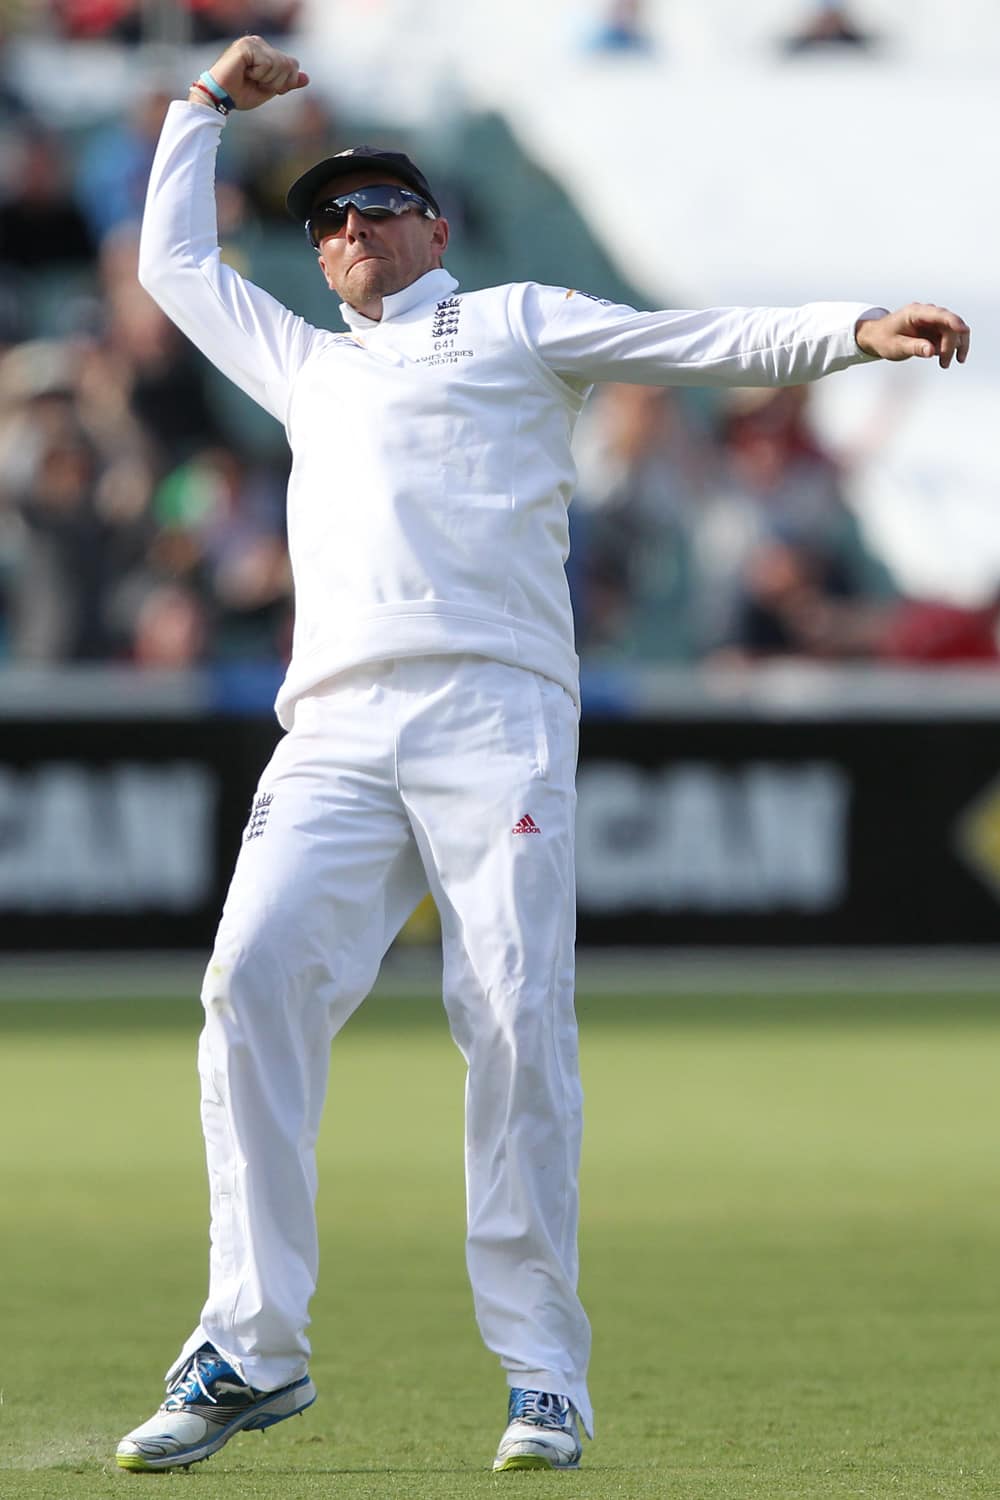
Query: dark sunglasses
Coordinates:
[378,202]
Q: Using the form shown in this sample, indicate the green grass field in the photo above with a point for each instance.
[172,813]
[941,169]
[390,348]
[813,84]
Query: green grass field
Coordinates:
[791,1242]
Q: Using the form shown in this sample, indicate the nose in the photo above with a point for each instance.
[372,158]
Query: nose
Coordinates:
[357,227]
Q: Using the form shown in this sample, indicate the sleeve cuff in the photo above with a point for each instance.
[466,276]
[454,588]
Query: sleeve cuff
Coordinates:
[869,313]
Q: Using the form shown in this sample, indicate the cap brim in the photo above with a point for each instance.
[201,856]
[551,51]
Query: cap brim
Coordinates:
[302,193]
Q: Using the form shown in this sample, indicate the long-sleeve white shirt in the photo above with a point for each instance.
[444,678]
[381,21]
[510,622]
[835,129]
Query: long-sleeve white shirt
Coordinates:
[431,465]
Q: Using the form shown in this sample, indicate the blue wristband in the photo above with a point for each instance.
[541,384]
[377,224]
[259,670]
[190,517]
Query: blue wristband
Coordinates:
[217,91]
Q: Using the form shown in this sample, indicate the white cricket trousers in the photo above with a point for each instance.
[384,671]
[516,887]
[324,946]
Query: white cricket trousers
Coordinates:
[453,773]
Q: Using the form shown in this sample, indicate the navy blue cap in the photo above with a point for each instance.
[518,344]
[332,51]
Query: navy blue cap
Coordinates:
[301,194]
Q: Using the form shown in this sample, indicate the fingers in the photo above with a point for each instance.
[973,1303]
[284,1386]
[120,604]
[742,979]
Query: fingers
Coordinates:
[921,330]
[272,71]
[937,331]
[275,73]
[252,72]
[955,342]
[907,348]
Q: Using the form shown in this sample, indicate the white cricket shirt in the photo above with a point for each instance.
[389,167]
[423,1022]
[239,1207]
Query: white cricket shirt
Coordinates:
[431,465]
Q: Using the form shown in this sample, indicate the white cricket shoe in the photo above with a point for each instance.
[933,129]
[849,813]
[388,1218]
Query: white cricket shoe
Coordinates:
[541,1433]
[207,1403]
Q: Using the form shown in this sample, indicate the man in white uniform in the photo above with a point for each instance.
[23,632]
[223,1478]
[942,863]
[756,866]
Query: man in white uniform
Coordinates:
[431,706]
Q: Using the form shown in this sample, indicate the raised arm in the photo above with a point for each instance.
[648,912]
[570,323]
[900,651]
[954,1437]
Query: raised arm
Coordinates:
[246,333]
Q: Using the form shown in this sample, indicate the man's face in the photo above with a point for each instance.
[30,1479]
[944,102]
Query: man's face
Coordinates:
[369,259]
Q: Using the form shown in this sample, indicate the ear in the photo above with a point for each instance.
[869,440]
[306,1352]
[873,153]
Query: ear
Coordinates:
[439,236]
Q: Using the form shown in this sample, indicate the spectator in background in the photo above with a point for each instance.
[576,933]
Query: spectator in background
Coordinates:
[217,20]
[114,167]
[171,630]
[56,607]
[151,371]
[827,25]
[40,225]
[778,530]
[59,586]
[795,599]
[644,464]
[305,129]
[796,603]
[622,29]
[85,20]
[207,20]
[220,536]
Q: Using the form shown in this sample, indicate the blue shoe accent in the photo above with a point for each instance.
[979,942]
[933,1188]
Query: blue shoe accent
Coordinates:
[541,1432]
[206,1404]
[541,1409]
[193,1383]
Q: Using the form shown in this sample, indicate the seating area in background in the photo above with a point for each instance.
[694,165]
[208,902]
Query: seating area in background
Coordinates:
[141,498]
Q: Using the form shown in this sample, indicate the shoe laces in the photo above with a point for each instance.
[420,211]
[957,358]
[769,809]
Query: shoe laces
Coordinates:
[541,1408]
[193,1381]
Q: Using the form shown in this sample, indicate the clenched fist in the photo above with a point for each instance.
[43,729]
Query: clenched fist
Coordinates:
[252,71]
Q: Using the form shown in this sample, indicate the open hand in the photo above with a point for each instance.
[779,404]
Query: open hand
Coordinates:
[252,71]
[918,331]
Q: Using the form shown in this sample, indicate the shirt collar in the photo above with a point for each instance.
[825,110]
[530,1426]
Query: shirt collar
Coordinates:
[430,287]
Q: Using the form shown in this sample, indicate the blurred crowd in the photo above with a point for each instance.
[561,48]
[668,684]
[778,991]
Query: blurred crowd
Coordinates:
[137,525]
[618,24]
[202,20]
[715,529]
[819,26]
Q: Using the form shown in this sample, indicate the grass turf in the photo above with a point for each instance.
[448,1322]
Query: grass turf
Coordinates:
[790,1239]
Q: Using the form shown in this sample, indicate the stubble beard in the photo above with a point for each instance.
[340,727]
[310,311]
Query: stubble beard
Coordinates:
[370,281]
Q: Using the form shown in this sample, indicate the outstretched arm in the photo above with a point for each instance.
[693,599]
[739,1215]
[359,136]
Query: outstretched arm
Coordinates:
[586,339]
[918,331]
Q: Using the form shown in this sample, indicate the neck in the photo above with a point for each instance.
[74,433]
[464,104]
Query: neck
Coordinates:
[362,314]
[372,309]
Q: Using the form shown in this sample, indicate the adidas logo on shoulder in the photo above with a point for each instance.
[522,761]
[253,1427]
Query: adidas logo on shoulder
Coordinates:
[526,824]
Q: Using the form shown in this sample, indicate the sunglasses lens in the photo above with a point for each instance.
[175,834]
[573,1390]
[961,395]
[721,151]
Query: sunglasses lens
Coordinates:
[326,220]
[378,202]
